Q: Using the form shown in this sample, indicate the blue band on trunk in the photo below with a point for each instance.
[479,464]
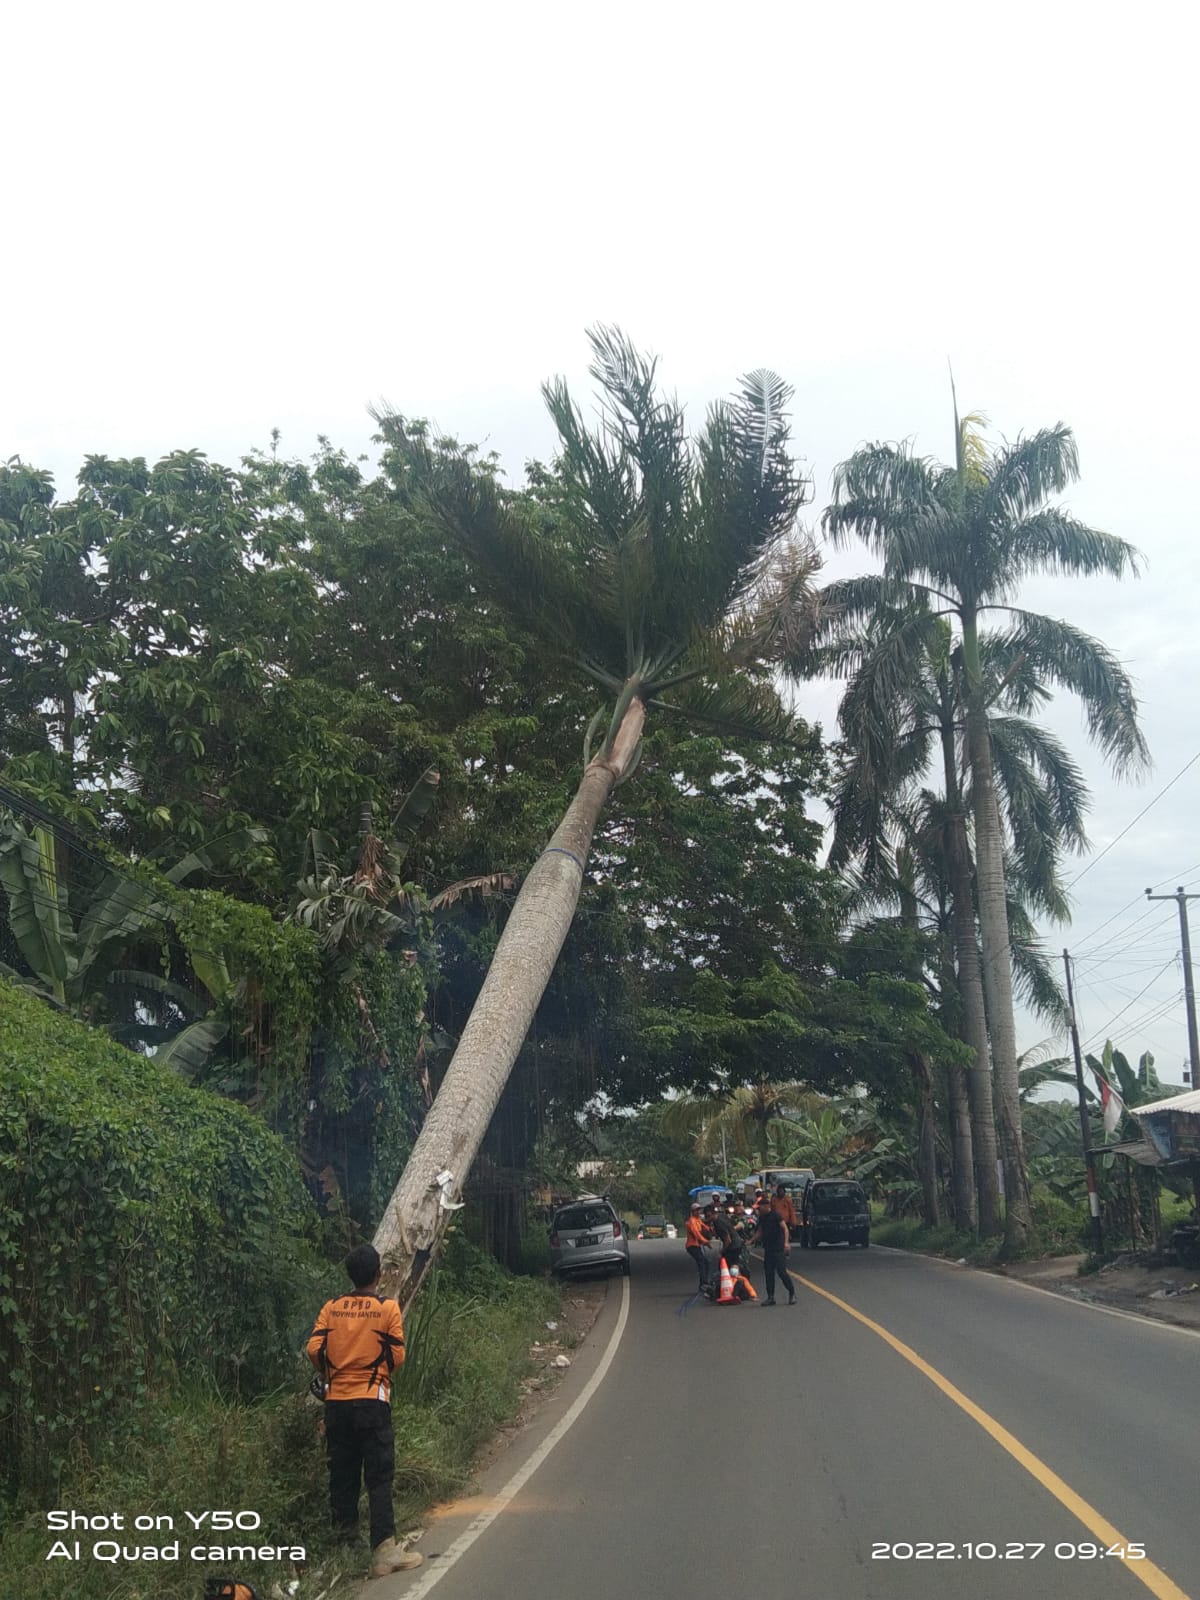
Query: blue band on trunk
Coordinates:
[557,849]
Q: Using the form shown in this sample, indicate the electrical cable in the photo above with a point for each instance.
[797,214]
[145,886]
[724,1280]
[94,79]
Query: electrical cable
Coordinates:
[1118,1014]
[1134,823]
[1149,1018]
[1123,933]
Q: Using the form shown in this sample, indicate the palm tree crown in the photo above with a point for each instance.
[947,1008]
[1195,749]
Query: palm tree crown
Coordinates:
[654,564]
[963,537]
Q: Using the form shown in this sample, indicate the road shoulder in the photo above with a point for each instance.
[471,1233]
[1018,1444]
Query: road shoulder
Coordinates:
[1160,1294]
[592,1310]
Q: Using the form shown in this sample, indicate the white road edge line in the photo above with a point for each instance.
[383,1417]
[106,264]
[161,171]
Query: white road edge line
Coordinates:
[1067,1299]
[523,1473]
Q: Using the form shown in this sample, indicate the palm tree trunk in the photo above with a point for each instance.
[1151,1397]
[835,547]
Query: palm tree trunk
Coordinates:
[927,1143]
[962,1170]
[921,1070]
[997,958]
[415,1218]
[962,1174]
[979,1074]
[970,986]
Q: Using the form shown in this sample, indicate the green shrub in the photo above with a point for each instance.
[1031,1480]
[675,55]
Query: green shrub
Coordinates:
[148,1231]
[1060,1228]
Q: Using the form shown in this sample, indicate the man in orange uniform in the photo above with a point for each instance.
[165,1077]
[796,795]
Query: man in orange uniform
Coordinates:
[357,1343]
[781,1202]
[698,1235]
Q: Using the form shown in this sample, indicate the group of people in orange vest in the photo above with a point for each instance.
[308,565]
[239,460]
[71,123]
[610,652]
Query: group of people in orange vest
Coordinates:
[719,1237]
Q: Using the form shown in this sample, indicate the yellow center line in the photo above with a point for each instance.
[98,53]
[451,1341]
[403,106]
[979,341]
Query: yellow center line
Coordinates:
[1102,1530]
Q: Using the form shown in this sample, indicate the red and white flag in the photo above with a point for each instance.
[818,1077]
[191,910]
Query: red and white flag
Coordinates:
[1112,1105]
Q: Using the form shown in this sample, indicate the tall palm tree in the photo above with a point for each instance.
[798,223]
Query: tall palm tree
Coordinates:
[959,539]
[665,571]
[903,710]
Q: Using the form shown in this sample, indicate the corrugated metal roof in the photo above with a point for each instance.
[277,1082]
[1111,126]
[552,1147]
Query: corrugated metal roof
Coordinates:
[1189,1103]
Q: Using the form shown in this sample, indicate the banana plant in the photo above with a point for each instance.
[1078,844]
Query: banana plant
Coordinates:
[74,966]
[369,901]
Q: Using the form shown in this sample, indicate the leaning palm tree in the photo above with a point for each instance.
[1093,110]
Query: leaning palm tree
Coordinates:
[960,539]
[666,572]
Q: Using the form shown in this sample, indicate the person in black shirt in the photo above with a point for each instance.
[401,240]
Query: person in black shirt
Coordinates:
[772,1234]
[726,1229]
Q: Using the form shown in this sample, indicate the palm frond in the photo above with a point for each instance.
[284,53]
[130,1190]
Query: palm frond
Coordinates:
[781,613]
[1022,476]
[765,397]
[487,883]
[747,495]
[1071,658]
[971,448]
[530,560]
[1052,541]
[1035,976]
[1041,754]
[848,610]
[895,502]
[1037,1072]
[1013,683]
[740,707]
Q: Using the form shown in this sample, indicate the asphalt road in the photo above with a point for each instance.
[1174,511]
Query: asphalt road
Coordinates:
[755,1451]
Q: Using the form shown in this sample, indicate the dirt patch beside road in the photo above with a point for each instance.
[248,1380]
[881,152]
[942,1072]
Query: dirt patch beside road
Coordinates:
[1127,1284]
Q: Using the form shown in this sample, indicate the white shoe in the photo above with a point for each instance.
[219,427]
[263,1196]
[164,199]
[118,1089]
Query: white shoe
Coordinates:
[388,1557]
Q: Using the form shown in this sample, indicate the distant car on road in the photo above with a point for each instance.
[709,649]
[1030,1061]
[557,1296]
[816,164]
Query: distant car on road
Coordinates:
[835,1211]
[672,1231]
[587,1234]
[652,1227]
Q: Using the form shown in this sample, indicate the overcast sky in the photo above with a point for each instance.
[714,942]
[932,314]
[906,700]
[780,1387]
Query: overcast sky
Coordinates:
[227,218]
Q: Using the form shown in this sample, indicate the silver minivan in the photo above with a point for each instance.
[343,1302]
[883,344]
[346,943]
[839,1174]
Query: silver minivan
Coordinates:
[585,1234]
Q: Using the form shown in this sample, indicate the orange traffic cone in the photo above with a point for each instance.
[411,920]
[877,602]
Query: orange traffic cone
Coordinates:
[725,1292]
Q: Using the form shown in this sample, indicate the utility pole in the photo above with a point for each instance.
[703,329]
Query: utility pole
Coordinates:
[1084,1126]
[1189,989]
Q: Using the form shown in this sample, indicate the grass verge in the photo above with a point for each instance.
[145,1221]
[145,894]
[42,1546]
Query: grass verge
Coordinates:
[468,1340]
[1059,1229]
[906,1233]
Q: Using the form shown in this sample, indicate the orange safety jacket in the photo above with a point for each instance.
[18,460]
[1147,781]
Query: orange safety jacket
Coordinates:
[698,1233]
[785,1208]
[357,1342]
[727,1294]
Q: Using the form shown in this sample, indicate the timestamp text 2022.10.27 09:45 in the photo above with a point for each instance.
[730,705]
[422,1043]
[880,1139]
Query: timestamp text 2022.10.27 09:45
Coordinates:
[985,1550]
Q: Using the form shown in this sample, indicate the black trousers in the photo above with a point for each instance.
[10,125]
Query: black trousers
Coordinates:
[774,1261]
[701,1260]
[359,1445]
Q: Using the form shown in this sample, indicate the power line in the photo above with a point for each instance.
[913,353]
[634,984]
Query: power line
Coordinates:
[1129,904]
[1123,933]
[1155,1015]
[1119,1014]
[1134,823]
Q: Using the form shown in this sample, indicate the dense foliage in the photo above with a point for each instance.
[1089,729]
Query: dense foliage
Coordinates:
[148,1231]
